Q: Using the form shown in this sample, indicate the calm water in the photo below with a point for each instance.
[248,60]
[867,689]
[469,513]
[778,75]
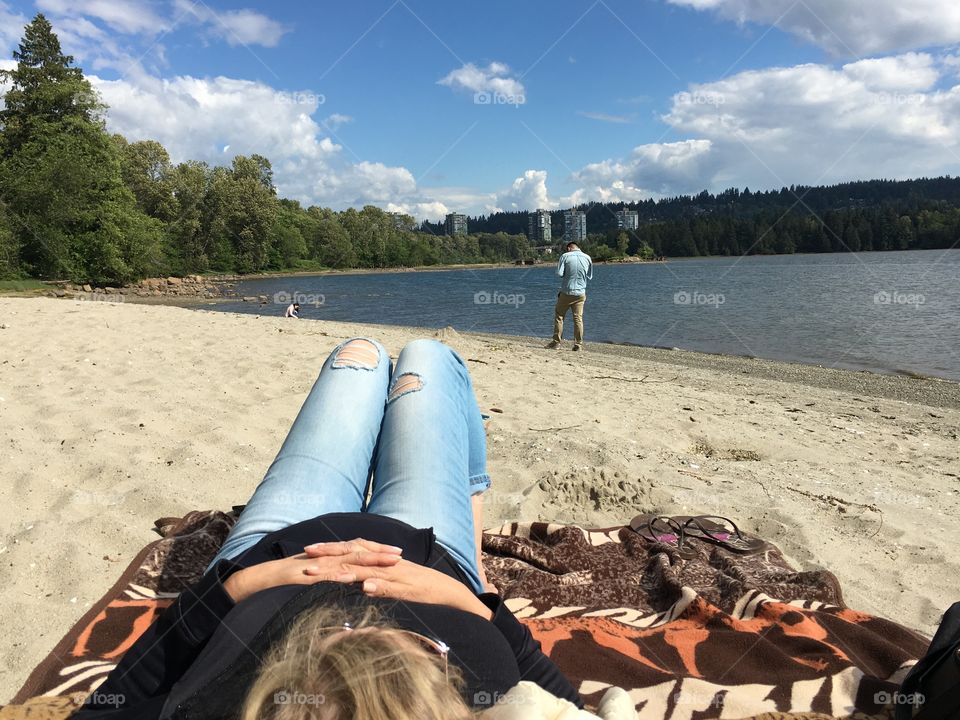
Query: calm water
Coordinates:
[887,312]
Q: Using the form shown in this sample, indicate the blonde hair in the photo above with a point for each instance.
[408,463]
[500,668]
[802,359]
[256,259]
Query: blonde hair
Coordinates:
[372,672]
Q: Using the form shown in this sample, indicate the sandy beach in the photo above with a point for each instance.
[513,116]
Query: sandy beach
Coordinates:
[113,415]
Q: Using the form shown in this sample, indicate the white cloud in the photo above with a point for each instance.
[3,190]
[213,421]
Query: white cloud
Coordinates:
[461,199]
[236,27]
[365,182]
[208,118]
[604,117]
[528,192]
[126,16]
[433,211]
[849,27]
[213,119]
[94,48]
[650,171]
[123,35]
[11,27]
[135,17]
[495,80]
[951,65]
[336,120]
[905,73]
[808,124]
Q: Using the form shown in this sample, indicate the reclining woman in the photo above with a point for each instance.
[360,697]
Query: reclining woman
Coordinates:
[351,585]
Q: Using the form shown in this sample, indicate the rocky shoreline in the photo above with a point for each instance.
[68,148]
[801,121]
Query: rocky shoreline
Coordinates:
[190,286]
[186,289]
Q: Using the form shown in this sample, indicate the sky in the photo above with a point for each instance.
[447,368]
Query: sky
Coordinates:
[431,106]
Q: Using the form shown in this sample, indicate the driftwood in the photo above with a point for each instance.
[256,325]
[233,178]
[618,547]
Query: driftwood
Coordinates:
[695,475]
[644,379]
[838,502]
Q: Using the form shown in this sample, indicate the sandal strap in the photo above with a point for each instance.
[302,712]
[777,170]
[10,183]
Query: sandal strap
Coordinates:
[697,520]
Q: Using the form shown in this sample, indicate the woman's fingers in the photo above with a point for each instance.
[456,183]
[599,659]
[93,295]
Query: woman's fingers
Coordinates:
[385,588]
[334,566]
[346,547]
[368,559]
[362,573]
[381,587]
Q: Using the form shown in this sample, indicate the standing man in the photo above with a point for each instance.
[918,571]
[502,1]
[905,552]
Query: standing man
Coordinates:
[575,267]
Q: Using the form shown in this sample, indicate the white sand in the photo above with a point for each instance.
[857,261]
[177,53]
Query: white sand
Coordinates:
[114,415]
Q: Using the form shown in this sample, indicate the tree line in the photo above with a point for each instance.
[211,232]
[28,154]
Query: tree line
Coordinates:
[859,217]
[79,203]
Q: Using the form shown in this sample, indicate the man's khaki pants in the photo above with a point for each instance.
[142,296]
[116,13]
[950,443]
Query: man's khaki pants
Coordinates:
[569,302]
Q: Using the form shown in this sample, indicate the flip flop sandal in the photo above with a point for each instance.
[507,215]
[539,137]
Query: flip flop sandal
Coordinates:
[725,533]
[662,530]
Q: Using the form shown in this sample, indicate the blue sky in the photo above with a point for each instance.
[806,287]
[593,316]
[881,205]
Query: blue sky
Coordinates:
[382,101]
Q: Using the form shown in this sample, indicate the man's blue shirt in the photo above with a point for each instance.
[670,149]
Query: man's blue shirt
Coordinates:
[575,268]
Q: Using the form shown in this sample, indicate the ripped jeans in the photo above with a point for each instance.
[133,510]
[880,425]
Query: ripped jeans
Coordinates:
[416,430]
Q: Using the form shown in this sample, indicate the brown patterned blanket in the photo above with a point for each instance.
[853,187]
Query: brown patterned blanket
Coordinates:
[721,635]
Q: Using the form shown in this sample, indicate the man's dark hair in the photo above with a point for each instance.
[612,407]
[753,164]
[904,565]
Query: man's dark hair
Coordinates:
[572,244]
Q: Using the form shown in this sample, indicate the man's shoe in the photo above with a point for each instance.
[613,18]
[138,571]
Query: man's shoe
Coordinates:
[577,348]
[553,345]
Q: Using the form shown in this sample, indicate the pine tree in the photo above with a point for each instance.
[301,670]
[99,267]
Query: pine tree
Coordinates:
[60,173]
[44,88]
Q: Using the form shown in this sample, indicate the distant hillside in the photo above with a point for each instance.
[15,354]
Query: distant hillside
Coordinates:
[857,216]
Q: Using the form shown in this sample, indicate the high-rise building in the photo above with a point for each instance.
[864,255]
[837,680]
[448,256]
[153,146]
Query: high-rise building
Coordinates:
[628,219]
[540,228]
[574,226]
[456,224]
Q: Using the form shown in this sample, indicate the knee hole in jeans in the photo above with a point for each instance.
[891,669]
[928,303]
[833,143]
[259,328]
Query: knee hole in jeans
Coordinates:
[404,384]
[358,353]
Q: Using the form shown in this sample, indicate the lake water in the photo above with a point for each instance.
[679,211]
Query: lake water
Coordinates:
[886,312]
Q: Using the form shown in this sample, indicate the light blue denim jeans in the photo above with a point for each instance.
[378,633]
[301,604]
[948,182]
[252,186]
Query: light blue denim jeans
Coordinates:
[414,431]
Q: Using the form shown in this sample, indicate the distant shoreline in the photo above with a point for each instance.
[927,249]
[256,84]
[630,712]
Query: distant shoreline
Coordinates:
[427,268]
[275,274]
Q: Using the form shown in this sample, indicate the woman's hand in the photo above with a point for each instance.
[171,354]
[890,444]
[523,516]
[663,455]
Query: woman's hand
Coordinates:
[415,583]
[336,561]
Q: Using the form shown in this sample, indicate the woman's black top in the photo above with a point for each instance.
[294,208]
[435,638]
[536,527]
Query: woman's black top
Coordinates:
[199,659]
